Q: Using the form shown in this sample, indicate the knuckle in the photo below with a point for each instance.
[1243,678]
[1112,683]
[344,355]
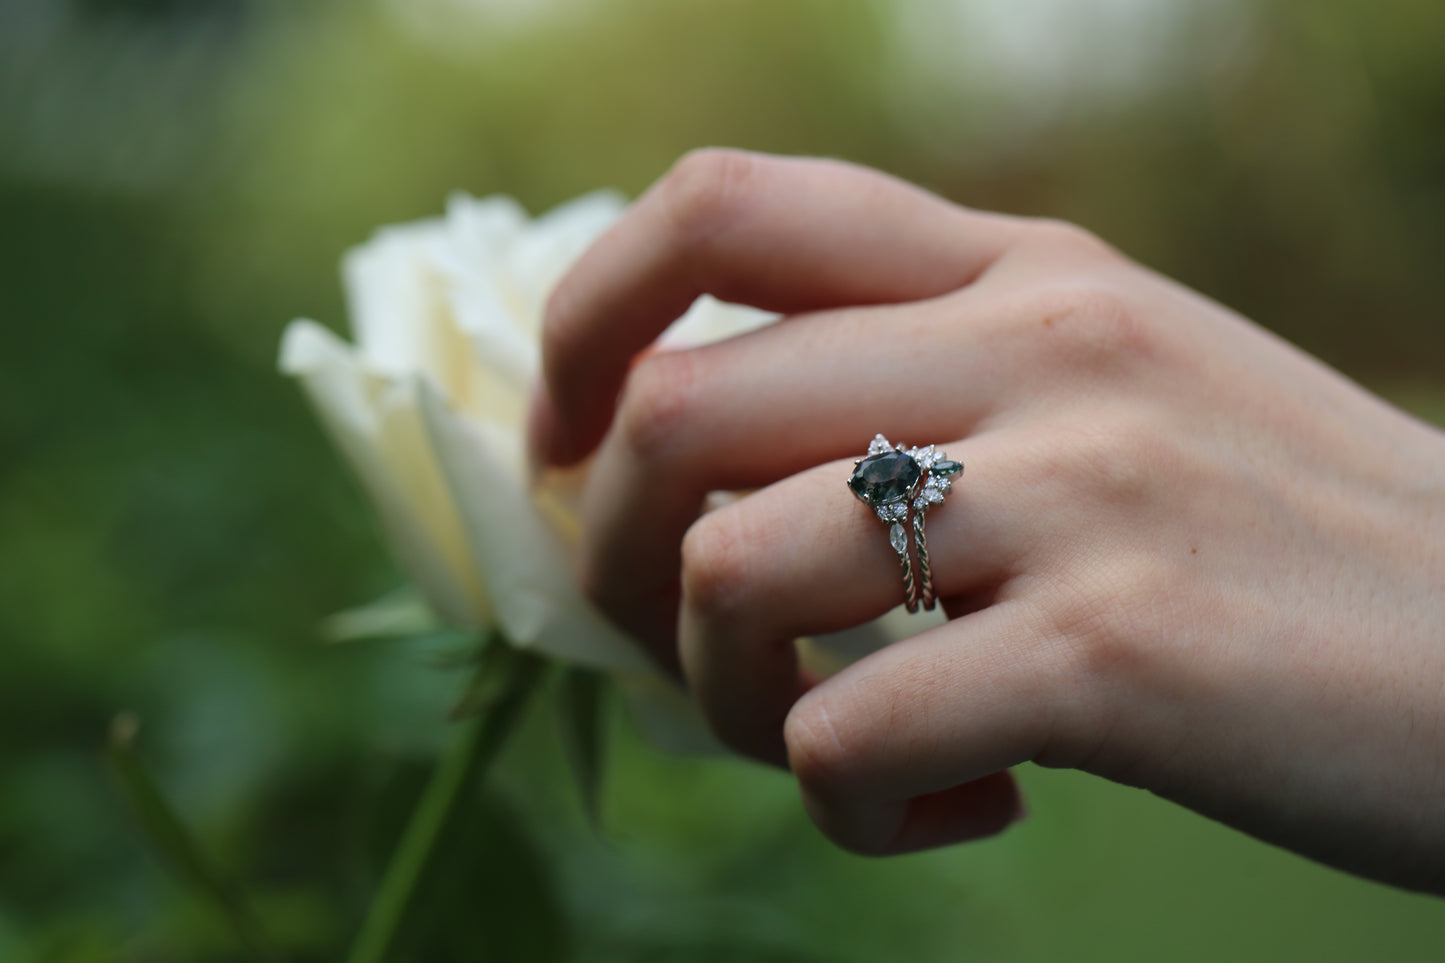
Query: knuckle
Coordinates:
[715,563]
[1053,234]
[825,763]
[1102,620]
[1120,619]
[1127,463]
[656,400]
[1085,611]
[1093,325]
[1102,458]
[818,755]
[702,190]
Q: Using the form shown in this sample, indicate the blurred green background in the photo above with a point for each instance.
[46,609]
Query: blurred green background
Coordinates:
[178,179]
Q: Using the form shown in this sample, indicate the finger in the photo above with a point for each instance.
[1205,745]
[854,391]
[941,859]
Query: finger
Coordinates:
[803,557]
[889,753]
[974,810]
[708,419]
[785,234]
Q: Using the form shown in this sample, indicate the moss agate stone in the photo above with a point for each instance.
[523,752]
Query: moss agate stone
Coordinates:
[886,478]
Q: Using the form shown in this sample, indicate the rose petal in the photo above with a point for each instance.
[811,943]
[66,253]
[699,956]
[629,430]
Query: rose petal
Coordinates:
[710,320]
[377,427]
[526,568]
[400,311]
[556,240]
[501,271]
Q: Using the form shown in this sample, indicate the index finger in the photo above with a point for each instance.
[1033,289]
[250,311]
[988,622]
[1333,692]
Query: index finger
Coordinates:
[781,234]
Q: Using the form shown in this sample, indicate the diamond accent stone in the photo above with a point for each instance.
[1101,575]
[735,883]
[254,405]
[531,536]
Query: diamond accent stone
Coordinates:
[879,445]
[898,538]
[892,512]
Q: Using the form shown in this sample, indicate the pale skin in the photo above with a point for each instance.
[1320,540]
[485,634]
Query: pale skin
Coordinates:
[1184,555]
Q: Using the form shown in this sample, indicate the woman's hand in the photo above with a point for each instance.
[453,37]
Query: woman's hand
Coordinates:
[1185,555]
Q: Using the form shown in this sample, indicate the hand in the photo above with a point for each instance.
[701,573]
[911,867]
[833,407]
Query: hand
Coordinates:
[1184,555]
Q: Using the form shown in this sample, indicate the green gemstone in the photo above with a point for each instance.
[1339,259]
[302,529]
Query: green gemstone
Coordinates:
[886,478]
[946,468]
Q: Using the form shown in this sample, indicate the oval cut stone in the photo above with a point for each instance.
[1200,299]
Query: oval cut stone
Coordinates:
[885,478]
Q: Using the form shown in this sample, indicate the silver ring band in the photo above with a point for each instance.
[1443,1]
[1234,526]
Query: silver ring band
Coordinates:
[900,485]
[925,571]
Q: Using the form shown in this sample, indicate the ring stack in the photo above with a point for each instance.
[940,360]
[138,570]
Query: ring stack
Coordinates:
[900,485]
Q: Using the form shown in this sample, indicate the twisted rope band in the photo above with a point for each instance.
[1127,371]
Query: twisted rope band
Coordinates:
[925,572]
[900,485]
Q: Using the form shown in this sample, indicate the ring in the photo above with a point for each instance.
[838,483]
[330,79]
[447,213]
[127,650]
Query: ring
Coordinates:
[900,485]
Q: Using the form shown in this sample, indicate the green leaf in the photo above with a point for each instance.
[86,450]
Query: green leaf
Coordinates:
[580,705]
[489,894]
[397,614]
[166,833]
[722,950]
[492,680]
[505,679]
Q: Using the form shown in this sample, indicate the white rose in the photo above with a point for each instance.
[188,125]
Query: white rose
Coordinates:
[429,406]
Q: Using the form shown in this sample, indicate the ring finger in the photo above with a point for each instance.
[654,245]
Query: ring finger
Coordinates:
[802,557]
[708,419]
